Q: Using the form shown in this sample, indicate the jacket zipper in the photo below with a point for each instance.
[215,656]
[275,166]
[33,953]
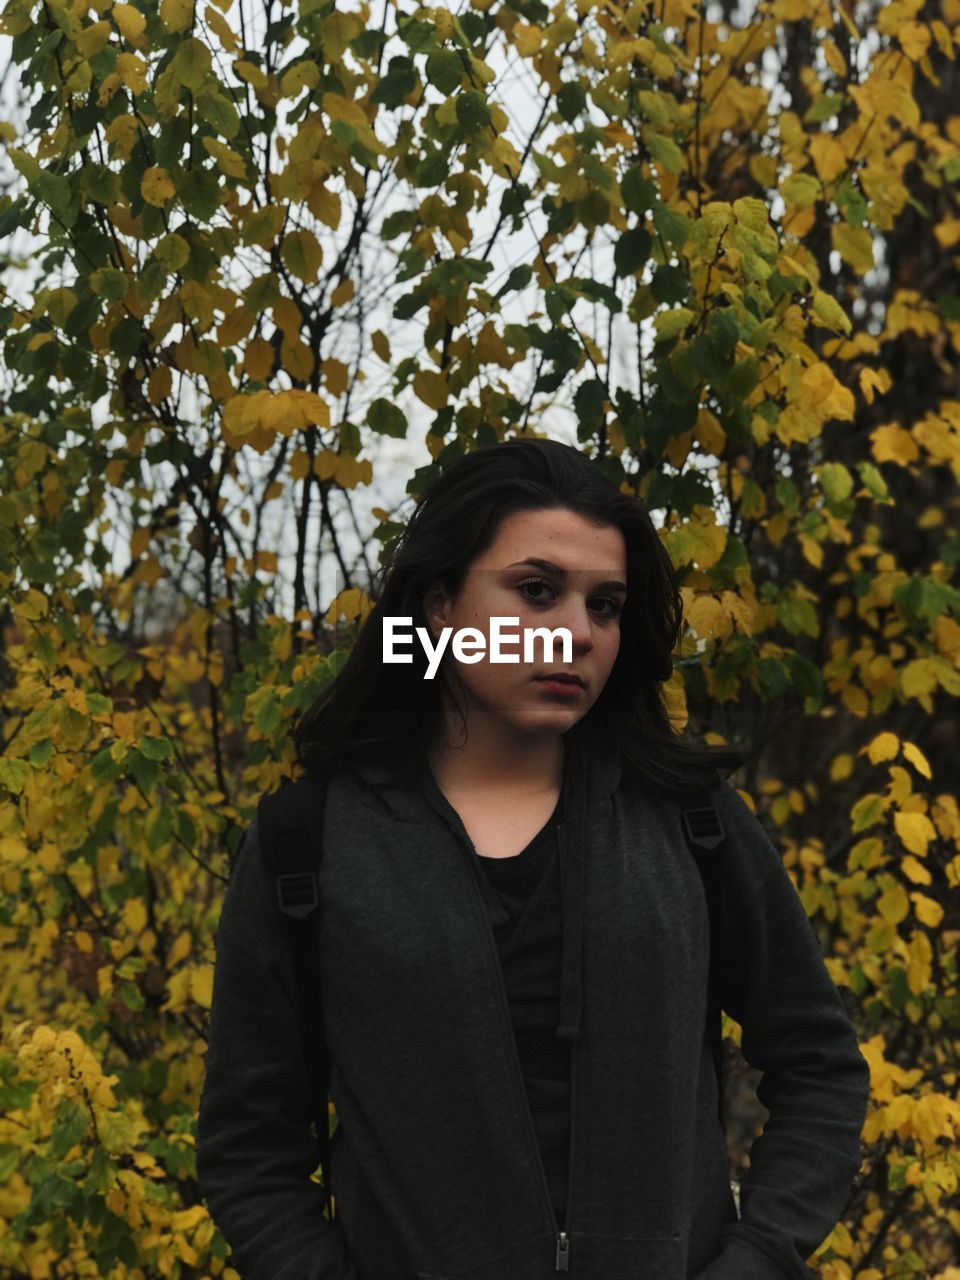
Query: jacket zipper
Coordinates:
[562,1237]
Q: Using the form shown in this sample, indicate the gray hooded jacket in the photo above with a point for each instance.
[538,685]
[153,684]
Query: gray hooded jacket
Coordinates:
[434,1166]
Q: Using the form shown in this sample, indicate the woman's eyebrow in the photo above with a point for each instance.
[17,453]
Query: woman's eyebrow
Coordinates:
[612,584]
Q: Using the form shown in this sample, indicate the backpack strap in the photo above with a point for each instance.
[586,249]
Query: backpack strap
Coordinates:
[706,836]
[290,825]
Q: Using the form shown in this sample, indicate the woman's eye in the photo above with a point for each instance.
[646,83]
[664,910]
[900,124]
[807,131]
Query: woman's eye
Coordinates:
[539,599]
[534,582]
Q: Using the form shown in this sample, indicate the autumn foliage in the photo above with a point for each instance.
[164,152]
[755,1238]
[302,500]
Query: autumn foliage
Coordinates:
[718,246]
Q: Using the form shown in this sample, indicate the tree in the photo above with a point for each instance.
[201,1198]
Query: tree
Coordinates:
[717,244]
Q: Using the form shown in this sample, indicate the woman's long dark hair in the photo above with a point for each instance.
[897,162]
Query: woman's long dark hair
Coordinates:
[388,715]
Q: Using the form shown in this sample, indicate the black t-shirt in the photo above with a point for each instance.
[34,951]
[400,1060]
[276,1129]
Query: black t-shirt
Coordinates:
[524,902]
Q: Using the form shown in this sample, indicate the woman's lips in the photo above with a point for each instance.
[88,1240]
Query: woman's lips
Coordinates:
[568,688]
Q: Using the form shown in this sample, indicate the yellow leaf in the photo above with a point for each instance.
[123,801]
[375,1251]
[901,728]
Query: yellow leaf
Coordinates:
[507,158]
[918,677]
[916,757]
[835,59]
[13,849]
[890,443]
[302,255]
[707,617]
[139,541]
[698,543]
[873,381]
[305,75]
[201,984]
[132,71]
[130,21]
[342,293]
[854,245]
[915,831]
[828,312]
[934,1117]
[915,871]
[335,375]
[176,15]
[381,345]
[919,954]
[352,471]
[431,387]
[883,747]
[258,359]
[156,187]
[325,205]
[90,40]
[709,433]
[180,948]
[928,912]
[828,156]
[229,161]
[134,914]
[527,39]
[914,39]
[338,107]
[894,904]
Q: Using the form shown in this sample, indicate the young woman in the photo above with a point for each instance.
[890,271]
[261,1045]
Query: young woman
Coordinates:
[514,942]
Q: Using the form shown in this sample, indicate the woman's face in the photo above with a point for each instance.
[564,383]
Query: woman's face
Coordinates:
[502,582]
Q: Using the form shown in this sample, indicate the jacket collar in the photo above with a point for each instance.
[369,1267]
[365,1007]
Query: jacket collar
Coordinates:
[591,774]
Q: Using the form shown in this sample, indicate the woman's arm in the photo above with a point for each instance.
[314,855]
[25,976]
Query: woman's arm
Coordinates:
[255,1151]
[796,1030]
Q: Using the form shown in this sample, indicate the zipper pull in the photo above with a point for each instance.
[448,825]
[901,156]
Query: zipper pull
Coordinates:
[563,1252]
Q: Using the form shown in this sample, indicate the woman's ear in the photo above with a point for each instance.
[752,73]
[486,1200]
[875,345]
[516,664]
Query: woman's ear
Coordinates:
[436,607]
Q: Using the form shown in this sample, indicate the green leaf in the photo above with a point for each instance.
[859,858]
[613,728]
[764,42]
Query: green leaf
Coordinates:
[836,481]
[218,111]
[191,63]
[801,189]
[828,310]
[670,284]
[418,35]
[394,224]
[109,283]
[824,108]
[399,81]
[518,278]
[571,100]
[54,191]
[559,300]
[671,323]
[639,193]
[155,748]
[445,70]
[199,192]
[589,400]
[473,111]
[632,251]
[805,676]
[386,419]
[69,1127]
[872,480]
[674,227]
[100,183]
[597,291]
[664,150]
[851,203]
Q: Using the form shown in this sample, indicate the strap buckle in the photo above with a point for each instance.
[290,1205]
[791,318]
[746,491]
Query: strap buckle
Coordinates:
[703,827]
[297,893]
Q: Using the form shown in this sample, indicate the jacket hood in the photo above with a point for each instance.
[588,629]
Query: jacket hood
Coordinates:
[591,774]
